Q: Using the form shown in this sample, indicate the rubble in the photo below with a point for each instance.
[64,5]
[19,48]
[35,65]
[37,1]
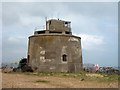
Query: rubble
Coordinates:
[108,70]
[26,68]
[7,70]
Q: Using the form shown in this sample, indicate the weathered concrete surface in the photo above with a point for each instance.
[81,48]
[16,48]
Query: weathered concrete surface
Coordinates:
[45,53]
[55,49]
[58,26]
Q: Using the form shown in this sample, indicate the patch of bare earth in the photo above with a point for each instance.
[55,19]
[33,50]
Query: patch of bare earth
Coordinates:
[94,75]
[29,81]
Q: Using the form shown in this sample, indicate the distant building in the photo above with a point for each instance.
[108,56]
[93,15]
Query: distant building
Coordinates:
[55,49]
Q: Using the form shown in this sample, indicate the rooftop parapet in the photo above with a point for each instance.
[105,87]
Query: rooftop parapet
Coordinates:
[56,27]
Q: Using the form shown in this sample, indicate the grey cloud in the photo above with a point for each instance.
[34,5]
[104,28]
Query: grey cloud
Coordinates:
[94,9]
[20,19]
[13,51]
[13,11]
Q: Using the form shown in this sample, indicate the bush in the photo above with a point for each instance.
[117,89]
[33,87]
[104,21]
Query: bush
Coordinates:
[22,63]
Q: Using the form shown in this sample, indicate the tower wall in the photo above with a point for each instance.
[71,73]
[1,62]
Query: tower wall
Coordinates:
[55,53]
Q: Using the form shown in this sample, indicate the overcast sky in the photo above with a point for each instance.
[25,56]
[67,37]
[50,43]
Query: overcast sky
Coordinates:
[96,23]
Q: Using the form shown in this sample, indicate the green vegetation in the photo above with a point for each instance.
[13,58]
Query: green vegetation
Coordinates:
[107,78]
[82,76]
[40,74]
[43,81]
[22,63]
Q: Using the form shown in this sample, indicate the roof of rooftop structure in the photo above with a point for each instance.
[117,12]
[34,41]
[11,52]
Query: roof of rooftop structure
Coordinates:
[59,20]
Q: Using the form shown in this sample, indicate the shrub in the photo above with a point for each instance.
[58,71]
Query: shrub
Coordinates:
[22,63]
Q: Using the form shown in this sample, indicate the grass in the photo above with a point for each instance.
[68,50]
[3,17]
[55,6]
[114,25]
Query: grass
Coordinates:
[79,75]
[40,74]
[42,81]
[112,78]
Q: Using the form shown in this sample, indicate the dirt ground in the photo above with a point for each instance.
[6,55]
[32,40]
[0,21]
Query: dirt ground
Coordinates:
[29,81]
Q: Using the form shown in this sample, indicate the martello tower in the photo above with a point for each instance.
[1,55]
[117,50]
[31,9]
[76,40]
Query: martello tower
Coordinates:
[55,49]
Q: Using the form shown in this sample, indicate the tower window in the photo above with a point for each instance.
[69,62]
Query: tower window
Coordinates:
[66,25]
[64,57]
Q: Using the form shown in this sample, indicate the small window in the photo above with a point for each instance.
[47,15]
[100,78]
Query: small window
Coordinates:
[66,25]
[67,32]
[69,25]
[64,57]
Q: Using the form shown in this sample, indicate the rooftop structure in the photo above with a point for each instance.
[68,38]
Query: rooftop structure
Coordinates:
[56,26]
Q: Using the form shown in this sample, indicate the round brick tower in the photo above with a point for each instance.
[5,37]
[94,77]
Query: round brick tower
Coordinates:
[55,49]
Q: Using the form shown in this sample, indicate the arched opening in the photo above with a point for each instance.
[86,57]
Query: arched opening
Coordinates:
[64,57]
